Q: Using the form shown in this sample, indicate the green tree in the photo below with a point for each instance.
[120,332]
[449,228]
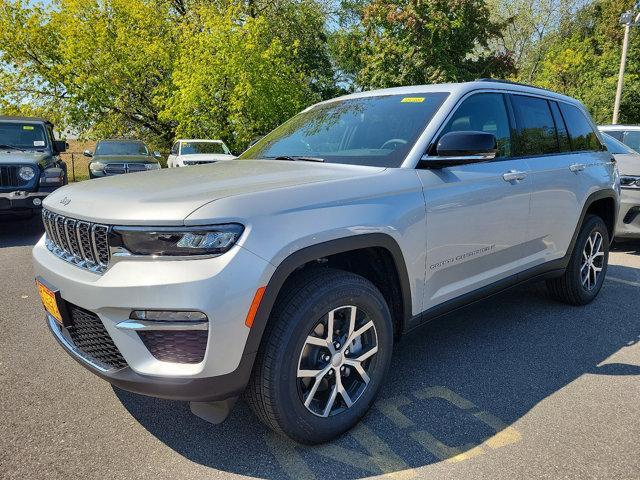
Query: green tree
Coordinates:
[234,79]
[407,42]
[581,59]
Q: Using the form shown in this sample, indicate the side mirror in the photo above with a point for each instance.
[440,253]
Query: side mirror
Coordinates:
[87,153]
[157,155]
[60,146]
[462,148]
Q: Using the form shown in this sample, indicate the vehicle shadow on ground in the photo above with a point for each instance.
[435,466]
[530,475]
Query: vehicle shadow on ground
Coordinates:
[454,390]
[20,231]
[630,247]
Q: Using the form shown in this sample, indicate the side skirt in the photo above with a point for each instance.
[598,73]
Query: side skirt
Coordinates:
[553,269]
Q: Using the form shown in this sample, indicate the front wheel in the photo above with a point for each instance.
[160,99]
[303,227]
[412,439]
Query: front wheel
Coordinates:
[587,268]
[325,354]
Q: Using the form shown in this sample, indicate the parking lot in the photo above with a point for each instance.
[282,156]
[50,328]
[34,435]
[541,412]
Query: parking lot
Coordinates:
[516,386]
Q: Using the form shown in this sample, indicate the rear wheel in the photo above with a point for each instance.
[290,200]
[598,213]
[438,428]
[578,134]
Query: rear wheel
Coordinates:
[325,354]
[586,271]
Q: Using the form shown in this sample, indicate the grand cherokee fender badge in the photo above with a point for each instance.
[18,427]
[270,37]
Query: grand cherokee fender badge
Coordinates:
[65,201]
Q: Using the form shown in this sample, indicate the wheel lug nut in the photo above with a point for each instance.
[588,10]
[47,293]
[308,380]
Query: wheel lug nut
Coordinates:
[346,352]
[337,344]
[326,358]
[343,369]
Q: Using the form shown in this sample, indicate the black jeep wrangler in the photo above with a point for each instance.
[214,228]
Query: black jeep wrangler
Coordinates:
[30,165]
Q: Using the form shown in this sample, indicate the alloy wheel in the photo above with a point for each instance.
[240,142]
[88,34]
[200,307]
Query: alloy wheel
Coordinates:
[336,361]
[592,261]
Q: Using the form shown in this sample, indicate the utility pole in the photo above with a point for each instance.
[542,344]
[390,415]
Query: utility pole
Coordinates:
[629,19]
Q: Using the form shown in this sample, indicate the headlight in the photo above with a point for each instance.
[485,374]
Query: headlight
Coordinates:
[152,166]
[628,181]
[26,173]
[96,166]
[177,242]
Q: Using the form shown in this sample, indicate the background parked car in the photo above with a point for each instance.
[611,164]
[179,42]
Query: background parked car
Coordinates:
[197,152]
[627,134]
[628,225]
[114,157]
[30,165]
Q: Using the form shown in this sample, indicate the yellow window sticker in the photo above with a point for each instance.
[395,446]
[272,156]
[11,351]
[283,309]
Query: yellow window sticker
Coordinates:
[27,127]
[412,100]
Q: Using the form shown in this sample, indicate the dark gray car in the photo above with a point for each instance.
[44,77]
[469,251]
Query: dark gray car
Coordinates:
[115,157]
[30,165]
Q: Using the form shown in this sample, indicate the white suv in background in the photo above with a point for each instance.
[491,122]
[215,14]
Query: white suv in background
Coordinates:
[198,152]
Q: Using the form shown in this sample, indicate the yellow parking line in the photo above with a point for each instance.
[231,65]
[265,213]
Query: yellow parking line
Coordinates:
[621,280]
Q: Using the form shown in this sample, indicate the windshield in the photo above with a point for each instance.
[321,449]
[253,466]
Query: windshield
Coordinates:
[189,148]
[121,148]
[23,136]
[375,131]
[615,146]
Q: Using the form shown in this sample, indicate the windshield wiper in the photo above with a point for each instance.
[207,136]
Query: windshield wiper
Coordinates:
[4,145]
[295,158]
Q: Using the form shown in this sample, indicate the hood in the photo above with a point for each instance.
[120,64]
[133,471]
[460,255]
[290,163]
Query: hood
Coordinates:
[123,159]
[628,164]
[168,196]
[206,157]
[17,156]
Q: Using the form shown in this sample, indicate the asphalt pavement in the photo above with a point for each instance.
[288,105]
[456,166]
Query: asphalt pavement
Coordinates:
[516,386]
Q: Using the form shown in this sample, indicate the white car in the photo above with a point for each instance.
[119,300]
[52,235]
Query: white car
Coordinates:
[198,152]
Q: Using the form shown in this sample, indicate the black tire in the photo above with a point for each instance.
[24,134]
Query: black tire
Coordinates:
[569,287]
[274,391]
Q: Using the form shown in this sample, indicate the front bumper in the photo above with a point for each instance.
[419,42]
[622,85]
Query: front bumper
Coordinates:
[185,389]
[20,200]
[221,287]
[628,224]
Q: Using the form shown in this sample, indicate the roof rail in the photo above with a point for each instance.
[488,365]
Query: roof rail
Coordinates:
[509,82]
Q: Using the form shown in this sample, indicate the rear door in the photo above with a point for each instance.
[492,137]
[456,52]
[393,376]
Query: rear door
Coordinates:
[476,214]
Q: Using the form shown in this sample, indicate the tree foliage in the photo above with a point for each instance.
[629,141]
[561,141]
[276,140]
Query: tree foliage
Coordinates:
[234,69]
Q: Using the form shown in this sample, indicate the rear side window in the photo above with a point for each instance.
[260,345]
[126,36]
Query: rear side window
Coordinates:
[581,132]
[484,112]
[561,128]
[535,128]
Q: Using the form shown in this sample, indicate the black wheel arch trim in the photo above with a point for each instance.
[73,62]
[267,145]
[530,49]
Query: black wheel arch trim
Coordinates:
[591,199]
[320,250]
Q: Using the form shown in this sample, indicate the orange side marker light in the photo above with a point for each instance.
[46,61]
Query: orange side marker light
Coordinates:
[257,298]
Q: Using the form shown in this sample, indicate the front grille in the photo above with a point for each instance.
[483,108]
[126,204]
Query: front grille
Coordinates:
[631,215]
[120,168]
[178,346]
[82,243]
[9,176]
[197,162]
[89,335]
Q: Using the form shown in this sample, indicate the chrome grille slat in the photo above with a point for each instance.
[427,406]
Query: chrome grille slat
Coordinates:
[81,243]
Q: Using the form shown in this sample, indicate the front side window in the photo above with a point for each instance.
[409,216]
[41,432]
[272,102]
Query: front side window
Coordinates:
[484,112]
[189,148]
[174,149]
[22,136]
[375,131]
[121,148]
[581,132]
[535,128]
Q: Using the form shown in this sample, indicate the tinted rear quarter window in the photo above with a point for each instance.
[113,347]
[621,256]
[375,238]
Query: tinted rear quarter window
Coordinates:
[581,132]
[535,128]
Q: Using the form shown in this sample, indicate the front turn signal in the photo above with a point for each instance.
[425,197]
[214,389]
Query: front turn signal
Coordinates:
[257,298]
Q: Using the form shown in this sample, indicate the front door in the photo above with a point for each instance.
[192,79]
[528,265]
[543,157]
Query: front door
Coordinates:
[476,214]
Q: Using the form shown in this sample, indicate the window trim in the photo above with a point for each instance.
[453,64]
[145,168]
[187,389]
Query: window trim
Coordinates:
[420,165]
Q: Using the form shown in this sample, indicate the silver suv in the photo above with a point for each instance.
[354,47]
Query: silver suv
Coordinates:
[291,273]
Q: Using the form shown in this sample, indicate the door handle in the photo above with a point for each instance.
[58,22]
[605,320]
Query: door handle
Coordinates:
[514,176]
[577,167]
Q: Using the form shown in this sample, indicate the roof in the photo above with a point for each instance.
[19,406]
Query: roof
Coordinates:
[10,118]
[198,140]
[618,127]
[459,89]
[131,140]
